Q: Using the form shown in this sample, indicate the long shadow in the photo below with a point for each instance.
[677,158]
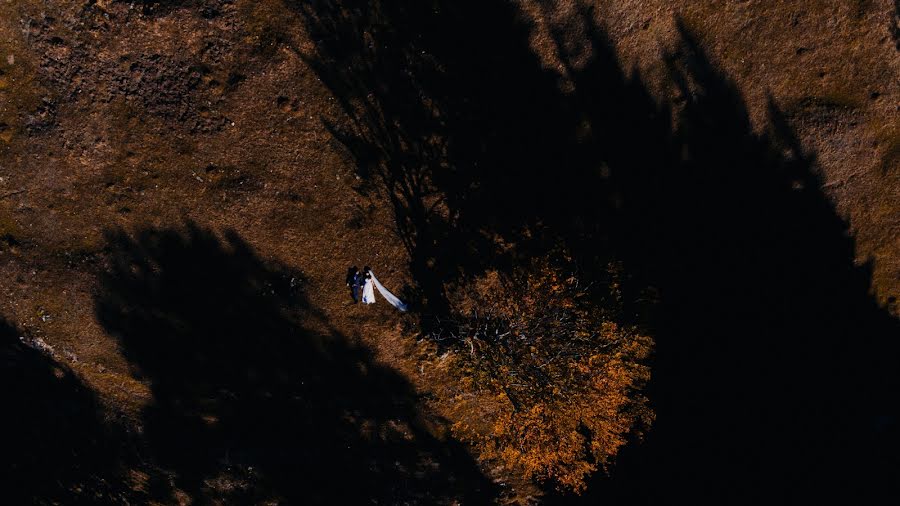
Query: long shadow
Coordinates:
[454,119]
[774,375]
[250,404]
[57,446]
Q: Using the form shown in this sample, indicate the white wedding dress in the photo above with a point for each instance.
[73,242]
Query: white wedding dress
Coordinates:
[368,295]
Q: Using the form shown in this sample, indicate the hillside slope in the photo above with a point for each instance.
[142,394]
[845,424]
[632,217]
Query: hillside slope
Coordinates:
[740,158]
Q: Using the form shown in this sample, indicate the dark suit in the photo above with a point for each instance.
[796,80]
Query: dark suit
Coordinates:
[353,281]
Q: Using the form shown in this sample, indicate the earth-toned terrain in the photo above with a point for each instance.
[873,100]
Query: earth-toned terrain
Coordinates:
[183,185]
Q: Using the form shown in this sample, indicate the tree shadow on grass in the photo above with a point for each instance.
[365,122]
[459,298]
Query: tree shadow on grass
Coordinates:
[774,373]
[250,404]
[452,117]
[57,447]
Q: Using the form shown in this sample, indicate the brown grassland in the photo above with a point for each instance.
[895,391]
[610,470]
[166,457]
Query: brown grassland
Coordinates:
[652,250]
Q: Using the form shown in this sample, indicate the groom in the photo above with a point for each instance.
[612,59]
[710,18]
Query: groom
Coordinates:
[353,281]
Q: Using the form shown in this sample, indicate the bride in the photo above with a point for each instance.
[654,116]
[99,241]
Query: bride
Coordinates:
[368,292]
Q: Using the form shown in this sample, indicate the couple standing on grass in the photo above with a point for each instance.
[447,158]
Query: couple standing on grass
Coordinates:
[366,282]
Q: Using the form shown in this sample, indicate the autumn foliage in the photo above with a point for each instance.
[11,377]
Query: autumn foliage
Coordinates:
[561,379]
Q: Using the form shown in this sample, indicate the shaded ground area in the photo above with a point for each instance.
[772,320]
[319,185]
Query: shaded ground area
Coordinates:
[476,149]
[250,404]
[58,446]
[774,374]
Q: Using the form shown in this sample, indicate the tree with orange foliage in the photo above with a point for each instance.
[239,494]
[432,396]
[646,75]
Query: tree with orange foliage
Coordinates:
[566,378]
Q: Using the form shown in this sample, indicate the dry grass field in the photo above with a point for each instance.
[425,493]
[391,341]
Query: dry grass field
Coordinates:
[184,183]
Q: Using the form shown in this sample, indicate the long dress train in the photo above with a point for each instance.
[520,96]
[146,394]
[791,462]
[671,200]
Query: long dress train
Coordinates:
[391,298]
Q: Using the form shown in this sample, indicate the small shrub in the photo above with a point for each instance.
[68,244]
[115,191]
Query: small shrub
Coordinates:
[568,378]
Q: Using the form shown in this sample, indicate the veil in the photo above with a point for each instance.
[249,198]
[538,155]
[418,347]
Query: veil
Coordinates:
[391,298]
